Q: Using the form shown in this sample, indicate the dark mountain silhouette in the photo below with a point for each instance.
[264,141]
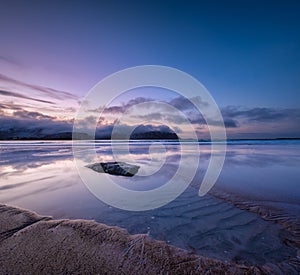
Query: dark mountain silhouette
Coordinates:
[39,135]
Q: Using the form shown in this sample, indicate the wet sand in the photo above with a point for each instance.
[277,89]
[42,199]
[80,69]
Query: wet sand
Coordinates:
[283,214]
[30,243]
[209,227]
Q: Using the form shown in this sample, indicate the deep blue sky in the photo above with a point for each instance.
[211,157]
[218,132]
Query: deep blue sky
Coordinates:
[247,53]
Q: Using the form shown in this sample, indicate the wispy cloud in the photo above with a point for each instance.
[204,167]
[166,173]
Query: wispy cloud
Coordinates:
[58,94]
[14,94]
[10,106]
[31,124]
[22,114]
[260,114]
[180,103]
[231,123]
[9,60]
[119,109]
[187,112]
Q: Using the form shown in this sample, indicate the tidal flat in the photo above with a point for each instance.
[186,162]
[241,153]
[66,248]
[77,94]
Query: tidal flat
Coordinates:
[250,217]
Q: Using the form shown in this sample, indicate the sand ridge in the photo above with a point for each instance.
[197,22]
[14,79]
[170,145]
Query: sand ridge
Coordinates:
[34,244]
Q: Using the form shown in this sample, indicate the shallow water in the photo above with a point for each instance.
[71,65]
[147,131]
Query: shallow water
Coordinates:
[42,176]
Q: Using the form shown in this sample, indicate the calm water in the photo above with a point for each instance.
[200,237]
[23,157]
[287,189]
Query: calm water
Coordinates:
[42,176]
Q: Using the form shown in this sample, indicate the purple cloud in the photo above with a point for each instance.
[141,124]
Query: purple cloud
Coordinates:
[7,93]
[45,90]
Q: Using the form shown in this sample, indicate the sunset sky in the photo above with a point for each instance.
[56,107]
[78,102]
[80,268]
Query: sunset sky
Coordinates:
[246,53]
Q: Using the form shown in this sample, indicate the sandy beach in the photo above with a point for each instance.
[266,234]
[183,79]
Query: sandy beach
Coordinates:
[31,244]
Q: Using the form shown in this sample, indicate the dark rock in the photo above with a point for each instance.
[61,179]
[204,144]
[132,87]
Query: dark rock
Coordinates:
[154,135]
[115,168]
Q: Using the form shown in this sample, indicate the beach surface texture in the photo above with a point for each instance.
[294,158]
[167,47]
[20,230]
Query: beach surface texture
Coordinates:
[34,244]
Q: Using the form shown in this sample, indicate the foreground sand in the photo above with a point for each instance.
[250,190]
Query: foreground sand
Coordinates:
[33,244]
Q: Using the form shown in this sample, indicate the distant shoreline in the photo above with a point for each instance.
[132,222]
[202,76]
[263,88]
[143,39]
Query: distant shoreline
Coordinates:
[155,139]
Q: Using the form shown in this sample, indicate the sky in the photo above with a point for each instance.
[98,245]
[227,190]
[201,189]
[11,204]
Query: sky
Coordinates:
[246,53]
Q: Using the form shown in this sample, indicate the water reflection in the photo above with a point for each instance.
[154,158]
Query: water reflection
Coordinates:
[263,172]
[257,171]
